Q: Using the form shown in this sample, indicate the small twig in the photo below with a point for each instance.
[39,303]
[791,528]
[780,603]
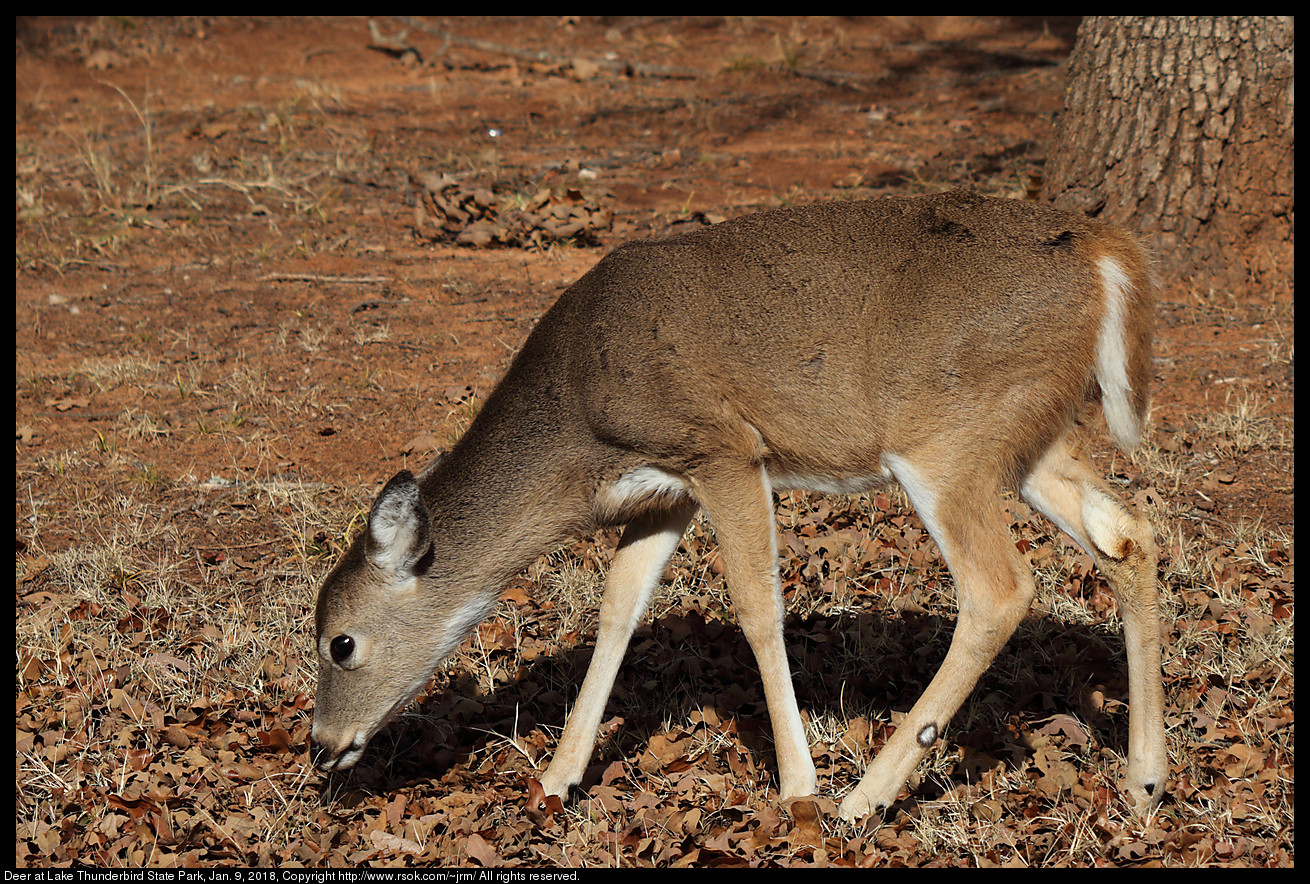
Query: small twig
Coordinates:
[838,79]
[228,546]
[316,277]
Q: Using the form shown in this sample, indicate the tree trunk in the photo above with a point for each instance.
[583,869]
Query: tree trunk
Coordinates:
[1181,128]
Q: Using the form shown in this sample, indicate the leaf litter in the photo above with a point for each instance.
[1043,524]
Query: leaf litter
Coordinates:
[116,775]
[469,213]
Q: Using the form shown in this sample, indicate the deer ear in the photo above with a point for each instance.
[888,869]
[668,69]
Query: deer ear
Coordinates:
[398,538]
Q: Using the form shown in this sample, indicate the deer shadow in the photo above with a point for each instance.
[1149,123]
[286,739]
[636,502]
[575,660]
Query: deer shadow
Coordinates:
[870,663]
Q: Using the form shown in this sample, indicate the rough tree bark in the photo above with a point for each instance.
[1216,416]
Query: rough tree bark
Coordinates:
[1182,128]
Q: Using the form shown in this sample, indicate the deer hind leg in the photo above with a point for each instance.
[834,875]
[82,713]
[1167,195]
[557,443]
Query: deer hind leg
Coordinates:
[738,498]
[1063,486]
[994,589]
[643,553]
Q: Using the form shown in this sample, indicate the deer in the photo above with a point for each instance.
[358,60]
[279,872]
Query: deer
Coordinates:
[952,343]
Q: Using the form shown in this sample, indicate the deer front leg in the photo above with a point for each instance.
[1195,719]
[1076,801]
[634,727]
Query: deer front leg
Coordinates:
[739,502]
[643,553]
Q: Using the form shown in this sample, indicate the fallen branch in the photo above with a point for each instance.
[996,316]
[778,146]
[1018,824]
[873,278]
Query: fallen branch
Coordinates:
[838,79]
[541,56]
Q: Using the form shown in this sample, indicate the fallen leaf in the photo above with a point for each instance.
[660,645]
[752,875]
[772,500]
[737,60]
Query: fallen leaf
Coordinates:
[1246,760]
[1073,730]
[516,594]
[1057,773]
[661,751]
[394,843]
[480,850]
[808,826]
[176,736]
[278,739]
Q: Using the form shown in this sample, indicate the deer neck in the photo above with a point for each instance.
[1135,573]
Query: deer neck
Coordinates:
[514,488]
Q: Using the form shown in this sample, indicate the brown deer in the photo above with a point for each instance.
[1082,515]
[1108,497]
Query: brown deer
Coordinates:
[948,342]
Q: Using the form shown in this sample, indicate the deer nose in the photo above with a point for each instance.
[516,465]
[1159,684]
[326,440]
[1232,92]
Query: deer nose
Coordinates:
[327,757]
[320,755]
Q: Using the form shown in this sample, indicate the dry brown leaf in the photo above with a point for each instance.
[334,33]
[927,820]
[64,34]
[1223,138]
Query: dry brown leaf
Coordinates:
[1057,774]
[661,751]
[1245,760]
[517,594]
[808,829]
[480,850]
[277,739]
[393,843]
[1073,730]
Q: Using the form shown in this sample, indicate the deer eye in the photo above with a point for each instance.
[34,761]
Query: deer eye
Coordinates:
[342,647]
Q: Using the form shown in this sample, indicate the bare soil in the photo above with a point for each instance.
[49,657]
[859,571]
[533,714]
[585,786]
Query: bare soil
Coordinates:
[240,307]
